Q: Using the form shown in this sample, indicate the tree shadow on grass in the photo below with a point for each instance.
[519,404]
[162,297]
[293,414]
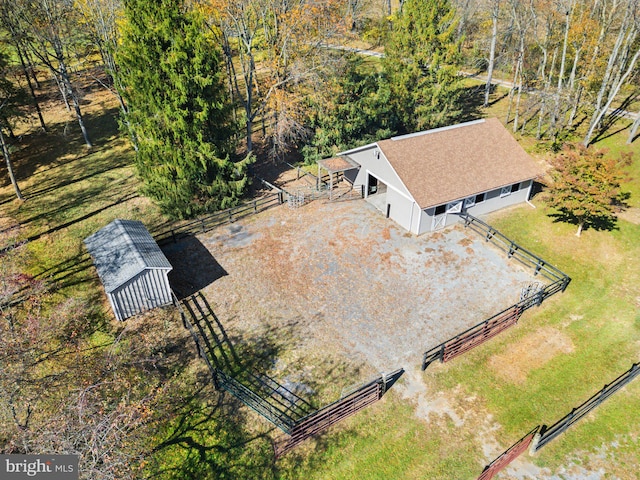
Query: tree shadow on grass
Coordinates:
[36,151]
[471,101]
[613,117]
[210,438]
[98,167]
[598,224]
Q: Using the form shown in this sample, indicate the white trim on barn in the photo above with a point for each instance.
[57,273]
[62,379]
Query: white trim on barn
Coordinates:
[427,176]
[131,266]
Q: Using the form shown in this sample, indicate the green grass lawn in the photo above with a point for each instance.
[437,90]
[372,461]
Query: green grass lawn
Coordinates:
[598,322]
[595,324]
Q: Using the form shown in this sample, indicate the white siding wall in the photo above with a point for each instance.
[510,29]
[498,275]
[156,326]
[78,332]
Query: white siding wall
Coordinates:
[404,210]
[400,208]
[398,197]
[493,201]
[147,290]
[379,168]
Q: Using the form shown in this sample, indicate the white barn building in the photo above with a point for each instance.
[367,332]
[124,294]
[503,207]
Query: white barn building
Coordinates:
[131,266]
[421,180]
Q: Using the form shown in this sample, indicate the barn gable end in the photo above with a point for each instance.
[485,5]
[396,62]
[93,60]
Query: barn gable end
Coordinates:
[422,180]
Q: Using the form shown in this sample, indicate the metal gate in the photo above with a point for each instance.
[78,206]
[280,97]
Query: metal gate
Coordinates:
[507,457]
[474,336]
[333,413]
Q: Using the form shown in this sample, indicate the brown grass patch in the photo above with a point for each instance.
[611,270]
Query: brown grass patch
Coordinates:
[529,353]
[465,242]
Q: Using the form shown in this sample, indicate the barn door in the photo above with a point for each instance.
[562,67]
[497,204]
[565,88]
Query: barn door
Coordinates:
[439,221]
[469,202]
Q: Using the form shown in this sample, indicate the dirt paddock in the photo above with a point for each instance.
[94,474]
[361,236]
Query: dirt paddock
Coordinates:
[340,278]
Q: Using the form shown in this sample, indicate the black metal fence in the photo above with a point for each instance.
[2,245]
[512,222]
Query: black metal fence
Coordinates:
[295,416]
[542,435]
[549,433]
[209,222]
[514,250]
[508,317]
[265,395]
[325,417]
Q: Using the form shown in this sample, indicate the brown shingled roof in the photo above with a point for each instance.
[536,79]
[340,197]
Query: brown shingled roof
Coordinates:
[454,163]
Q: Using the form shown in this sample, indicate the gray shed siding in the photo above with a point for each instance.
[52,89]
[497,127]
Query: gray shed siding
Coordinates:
[131,266]
[147,290]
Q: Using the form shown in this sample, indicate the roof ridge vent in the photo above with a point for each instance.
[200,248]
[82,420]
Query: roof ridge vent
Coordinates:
[436,130]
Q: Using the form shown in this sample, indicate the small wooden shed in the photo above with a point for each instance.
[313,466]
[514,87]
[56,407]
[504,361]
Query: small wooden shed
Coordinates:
[131,266]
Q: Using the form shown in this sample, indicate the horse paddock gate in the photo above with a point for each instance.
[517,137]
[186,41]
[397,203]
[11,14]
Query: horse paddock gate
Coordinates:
[333,413]
[508,456]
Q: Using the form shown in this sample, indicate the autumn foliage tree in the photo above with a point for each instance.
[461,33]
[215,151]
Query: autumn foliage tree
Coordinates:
[586,187]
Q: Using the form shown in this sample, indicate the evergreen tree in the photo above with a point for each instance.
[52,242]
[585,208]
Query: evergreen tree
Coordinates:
[179,115]
[587,187]
[421,57]
[353,111]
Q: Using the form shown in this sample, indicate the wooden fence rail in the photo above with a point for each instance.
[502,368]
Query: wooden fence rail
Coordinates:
[549,433]
[209,222]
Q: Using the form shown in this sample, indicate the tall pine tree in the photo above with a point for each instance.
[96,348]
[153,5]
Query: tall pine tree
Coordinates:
[170,71]
[351,110]
[421,57]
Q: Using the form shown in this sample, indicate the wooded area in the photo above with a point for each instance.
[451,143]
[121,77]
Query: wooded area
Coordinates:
[283,82]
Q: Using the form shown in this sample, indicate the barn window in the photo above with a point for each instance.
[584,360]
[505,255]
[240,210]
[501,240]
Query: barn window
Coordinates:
[504,191]
[440,209]
[515,187]
[480,197]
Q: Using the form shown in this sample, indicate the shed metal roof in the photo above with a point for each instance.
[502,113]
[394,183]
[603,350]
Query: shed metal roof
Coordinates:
[122,250]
